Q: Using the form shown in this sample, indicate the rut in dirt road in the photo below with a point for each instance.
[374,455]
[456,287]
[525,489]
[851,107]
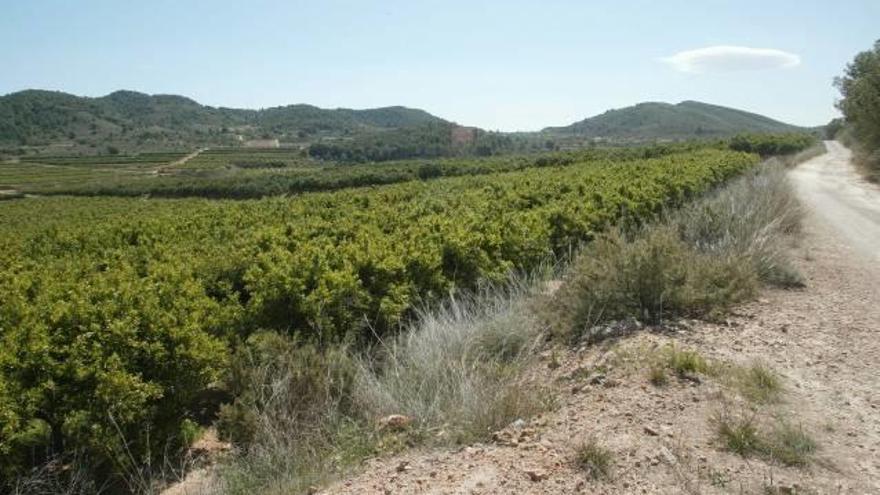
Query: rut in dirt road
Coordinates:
[833,189]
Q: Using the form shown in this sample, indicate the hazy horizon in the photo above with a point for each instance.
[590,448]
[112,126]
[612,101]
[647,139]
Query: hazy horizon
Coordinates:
[504,66]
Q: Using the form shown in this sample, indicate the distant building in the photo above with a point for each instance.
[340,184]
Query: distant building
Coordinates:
[262,143]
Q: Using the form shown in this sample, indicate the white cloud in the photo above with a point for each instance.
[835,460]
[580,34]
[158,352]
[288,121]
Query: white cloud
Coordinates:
[731,58]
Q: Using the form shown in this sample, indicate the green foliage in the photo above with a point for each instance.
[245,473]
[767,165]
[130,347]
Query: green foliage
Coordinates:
[314,382]
[129,119]
[757,383]
[698,261]
[218,173]
[834,127]
[685,120]
[115,314]
[860,103]
[651,277]
[772,144]
[427,141]
[685,362]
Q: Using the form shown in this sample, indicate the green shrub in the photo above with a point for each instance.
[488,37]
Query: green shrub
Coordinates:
[696,262]
[652,277]
[772,144]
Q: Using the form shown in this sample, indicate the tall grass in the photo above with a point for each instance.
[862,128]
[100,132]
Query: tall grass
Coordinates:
[293,421]
[748,220]
[458,370]
[305,415]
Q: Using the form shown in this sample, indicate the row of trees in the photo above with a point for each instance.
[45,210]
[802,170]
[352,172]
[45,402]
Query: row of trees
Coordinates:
[432,140]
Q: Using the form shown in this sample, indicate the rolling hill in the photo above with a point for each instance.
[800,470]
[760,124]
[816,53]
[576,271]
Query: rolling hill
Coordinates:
[57,122]
[132,119]
[685,120]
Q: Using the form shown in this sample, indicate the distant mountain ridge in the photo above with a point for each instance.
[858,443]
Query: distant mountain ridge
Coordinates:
[685,120]
[38,116]
[54,121]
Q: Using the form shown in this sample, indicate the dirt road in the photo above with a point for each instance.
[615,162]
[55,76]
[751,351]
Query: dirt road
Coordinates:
[178,163]
[840,197]
[822,341]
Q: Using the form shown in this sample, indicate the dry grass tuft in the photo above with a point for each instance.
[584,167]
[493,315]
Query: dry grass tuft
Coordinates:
[594,459]
[776,439]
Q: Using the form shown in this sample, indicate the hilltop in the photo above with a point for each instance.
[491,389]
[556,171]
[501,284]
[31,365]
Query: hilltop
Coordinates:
[685,120]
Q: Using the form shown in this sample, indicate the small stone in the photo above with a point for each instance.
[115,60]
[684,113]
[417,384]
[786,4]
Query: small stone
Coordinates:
[395,422]
[668,456]
[403,466]
[651,431]
[597,379]
[536,475]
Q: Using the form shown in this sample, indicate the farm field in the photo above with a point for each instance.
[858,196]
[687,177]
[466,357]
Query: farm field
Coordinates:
[132,306]
[52,173]
[255,173]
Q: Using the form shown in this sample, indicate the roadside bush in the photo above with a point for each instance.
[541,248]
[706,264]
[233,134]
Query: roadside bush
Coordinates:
[697,262]
[749,218]
[653,276]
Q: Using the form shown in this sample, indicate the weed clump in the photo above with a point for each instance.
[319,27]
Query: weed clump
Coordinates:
[594,459]
[685,362]
[780,441]
[758,383]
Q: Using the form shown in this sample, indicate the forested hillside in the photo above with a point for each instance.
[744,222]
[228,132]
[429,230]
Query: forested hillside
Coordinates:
[135,120]
[685,120]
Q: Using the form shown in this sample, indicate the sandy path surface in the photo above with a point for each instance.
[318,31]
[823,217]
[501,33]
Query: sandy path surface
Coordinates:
[839,196]
[822,340]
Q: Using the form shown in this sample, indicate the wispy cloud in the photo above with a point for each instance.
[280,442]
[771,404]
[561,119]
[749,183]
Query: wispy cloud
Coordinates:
[731,58]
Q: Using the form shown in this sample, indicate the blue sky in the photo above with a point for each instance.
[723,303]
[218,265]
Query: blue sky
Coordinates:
[505,65]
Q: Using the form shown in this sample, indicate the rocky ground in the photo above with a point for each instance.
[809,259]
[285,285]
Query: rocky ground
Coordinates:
[820,340]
